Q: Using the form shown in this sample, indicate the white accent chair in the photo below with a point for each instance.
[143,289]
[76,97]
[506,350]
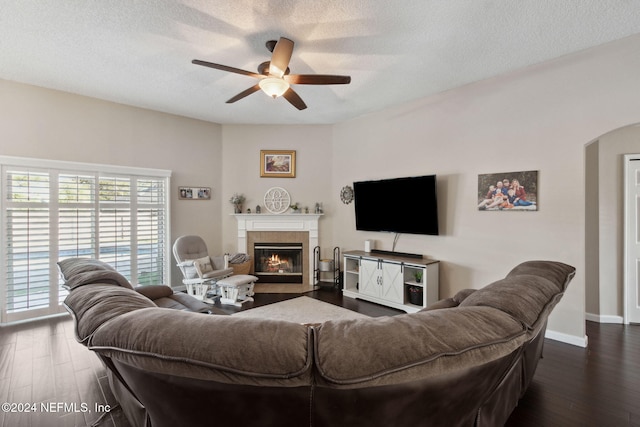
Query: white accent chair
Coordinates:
[200,271]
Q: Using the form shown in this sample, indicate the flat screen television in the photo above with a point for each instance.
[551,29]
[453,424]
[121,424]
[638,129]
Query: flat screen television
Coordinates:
[398,205]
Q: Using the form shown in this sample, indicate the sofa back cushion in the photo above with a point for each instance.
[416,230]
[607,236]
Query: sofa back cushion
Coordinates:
[450,302]
[390,350]
[558,273]
[83,271]
[524,297]
[91,306]
[71,266]
[220,348]
[528,293]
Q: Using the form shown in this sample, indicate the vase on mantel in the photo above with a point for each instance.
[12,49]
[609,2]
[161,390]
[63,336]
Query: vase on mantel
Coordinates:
[237,200]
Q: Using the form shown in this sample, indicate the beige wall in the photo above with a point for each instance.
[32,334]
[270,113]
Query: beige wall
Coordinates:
[591,229]
[47,124]
[539,118]
[241,173]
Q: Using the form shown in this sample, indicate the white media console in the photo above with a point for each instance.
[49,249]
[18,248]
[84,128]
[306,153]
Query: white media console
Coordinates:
[387,278]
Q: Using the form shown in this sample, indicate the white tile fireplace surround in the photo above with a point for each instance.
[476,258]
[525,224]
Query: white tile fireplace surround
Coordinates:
[280,228]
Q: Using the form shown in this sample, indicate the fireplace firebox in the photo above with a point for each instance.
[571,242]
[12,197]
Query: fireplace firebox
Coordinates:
[278,262]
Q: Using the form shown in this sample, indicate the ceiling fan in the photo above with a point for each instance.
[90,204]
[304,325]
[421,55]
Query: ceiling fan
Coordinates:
[274,77]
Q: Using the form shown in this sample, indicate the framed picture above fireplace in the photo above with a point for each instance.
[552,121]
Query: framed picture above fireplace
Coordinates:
[277,163]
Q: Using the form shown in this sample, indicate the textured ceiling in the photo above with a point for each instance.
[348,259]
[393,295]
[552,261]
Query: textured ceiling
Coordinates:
[139,52]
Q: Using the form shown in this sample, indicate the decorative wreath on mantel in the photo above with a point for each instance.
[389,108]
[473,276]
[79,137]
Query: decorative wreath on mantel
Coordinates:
[277,200]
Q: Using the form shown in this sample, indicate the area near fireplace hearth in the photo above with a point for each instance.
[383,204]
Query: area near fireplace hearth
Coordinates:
[286,237]
[276,262]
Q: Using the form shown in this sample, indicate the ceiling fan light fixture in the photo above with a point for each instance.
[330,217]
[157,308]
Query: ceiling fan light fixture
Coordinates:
[274,78]
[273,86]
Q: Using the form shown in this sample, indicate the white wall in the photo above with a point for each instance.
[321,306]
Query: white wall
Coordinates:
[47,124]
[540,118]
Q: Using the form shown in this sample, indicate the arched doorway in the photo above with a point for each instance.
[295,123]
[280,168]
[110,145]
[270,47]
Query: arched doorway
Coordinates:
[604,222]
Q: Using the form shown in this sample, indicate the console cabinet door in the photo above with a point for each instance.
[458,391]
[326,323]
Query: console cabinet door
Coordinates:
[369,277]
[392,282]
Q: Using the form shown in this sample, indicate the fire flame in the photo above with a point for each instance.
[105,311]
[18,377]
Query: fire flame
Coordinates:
[275,263]
[274,260]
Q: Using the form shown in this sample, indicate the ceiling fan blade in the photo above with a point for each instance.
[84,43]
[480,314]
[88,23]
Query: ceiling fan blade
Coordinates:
[281,57]
[244,93]
[295,100]
[227,68]
[317,79]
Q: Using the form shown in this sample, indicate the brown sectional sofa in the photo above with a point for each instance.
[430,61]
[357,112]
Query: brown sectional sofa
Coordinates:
[464,361]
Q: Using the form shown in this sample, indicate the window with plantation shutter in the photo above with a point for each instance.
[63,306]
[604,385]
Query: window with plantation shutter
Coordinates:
[77,215]
[116,223]
[57,210]
[151,229]
[27,239]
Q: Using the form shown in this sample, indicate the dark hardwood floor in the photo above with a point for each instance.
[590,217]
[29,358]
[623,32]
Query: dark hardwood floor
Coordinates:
[596,386]
[41,363]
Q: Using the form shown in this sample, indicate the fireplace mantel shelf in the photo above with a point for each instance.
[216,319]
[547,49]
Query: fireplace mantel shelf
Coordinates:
[283,215]
[284,222]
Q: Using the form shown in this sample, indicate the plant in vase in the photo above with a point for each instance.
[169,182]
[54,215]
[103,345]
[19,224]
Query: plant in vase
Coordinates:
[295,208]
[237,200]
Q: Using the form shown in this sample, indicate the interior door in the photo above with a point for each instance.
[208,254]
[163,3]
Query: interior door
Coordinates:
[632,239]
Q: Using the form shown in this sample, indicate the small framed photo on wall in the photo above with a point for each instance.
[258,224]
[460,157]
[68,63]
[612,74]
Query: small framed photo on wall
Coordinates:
[194,193]
[277,163]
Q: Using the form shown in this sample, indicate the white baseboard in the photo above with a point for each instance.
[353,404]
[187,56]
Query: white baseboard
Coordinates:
[583,342]
[599,318]
[565,338]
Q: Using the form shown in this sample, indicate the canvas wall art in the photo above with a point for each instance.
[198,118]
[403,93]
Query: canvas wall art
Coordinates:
[508,191]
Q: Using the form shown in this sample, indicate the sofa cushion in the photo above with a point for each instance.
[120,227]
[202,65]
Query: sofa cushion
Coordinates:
[439,305]
[221,348]
[523,296]
[93,305]
[462,295]
[71,266]
[83,271]
[558,273]
[154,292]
[104,277]
[450,302]
[401,348]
